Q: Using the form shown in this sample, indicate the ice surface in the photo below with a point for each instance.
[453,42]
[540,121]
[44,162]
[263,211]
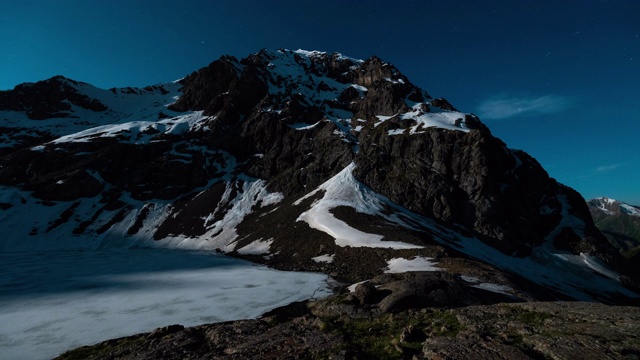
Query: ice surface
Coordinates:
[57,300]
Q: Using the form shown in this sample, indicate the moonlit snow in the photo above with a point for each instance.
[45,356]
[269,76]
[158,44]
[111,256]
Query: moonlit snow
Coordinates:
[419,263]
[344,190]
[54,301]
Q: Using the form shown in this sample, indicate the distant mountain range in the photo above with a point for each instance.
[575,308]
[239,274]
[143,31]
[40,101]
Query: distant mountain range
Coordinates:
[302,160]
[619,222]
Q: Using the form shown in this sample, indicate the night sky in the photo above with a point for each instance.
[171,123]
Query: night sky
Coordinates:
[558,79]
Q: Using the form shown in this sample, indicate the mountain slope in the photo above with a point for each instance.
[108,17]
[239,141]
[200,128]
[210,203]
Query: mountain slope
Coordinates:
[303,160]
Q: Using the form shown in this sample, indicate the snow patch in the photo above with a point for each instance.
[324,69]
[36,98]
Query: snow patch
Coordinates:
[257,247]
[598,266]
[444,119]
[222,234]
[419,263]
[303,126]
[136,132]
[326,258]
[352,287]
[344,190]
[496,288]
[629,210]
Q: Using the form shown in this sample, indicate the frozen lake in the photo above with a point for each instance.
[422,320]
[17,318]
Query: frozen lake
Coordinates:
[54,301]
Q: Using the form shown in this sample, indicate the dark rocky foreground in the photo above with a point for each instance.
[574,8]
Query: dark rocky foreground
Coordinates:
[418,316]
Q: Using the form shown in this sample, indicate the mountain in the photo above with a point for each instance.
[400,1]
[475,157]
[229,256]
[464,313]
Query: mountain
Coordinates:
[302,160]
[618,221]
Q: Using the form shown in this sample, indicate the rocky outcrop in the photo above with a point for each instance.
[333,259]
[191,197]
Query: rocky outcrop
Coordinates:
[469,179]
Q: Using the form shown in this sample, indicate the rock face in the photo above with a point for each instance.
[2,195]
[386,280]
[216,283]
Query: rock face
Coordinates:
[284,157]
[470,179]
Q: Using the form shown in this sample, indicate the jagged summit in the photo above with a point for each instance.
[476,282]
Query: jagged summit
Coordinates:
[293,158]
[302,88]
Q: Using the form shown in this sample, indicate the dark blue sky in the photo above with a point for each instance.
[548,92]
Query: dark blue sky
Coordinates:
[558,79]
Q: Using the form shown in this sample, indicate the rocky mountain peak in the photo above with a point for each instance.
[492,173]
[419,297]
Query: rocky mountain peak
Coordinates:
[291,156]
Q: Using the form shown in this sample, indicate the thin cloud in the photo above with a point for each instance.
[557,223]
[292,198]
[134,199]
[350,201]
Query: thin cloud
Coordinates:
[607,168]
[506,107]
[598,171]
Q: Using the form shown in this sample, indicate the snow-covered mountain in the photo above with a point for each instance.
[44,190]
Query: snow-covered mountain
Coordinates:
[619,222]
[302,160]
[610,207]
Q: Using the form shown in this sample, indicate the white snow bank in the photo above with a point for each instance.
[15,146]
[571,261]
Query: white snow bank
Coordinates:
[444,119]
[257,247]
[352,287]
[344,190]
[326,258]
[315,53]
[137,132]
[419,263]
[630,210]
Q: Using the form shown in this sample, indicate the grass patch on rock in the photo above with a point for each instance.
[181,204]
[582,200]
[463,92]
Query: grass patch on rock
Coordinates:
[392,336]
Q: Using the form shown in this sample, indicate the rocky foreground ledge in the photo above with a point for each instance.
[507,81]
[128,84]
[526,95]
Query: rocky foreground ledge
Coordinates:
[410,315]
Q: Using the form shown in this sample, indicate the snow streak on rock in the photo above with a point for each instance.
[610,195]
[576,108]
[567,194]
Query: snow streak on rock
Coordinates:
[344,190]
